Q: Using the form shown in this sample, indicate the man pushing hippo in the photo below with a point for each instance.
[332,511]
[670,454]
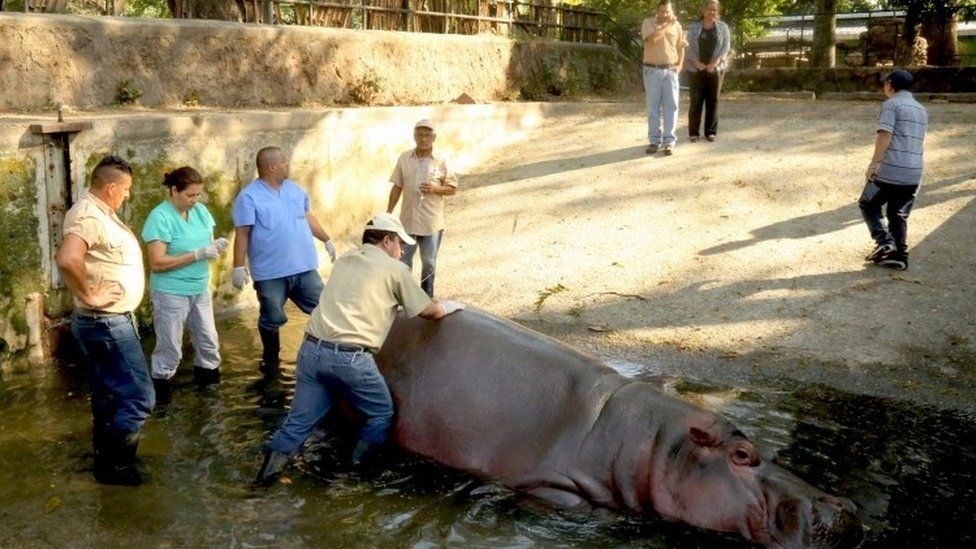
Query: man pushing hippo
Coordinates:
[354,315]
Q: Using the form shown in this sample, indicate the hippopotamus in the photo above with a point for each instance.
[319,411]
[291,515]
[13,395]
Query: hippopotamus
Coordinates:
[485,395]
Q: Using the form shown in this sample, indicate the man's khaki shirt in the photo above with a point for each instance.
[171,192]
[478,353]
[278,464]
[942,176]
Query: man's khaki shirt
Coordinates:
[421,216]
[360,300]
[668,50]
[113,252]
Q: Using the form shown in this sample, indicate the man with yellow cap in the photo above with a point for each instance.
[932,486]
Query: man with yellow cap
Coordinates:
[354,315]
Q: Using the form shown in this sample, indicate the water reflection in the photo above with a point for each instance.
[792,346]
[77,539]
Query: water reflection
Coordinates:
[910,470]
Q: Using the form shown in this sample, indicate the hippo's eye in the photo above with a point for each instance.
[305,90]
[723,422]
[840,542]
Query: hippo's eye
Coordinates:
[745,456]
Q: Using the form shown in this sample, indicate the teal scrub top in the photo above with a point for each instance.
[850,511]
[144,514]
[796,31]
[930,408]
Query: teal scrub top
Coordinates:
[165,224]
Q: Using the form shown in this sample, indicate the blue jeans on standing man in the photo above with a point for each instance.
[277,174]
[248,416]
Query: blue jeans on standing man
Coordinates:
[899,200]
[122,393]
[429,244]
[661,94]
[323,373]
[303,289]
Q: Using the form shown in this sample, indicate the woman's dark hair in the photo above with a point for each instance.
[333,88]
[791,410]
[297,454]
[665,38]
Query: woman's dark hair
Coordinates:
[181,178]
[373,236]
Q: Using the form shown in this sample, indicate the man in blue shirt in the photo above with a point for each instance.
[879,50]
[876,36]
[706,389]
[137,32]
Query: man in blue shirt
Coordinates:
[895,171]
[273,232]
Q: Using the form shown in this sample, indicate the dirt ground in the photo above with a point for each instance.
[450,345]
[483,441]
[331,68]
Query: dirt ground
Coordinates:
[739,261]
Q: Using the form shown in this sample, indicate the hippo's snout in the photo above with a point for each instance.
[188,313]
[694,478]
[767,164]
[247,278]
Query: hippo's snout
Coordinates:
[824,521]
[836,522]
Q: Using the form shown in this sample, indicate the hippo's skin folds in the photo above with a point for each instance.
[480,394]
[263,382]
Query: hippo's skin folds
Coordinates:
[487,396]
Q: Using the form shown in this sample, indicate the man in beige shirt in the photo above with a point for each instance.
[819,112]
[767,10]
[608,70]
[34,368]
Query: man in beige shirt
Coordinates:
[664,53]
[350,323]
[423,179]
[101,263]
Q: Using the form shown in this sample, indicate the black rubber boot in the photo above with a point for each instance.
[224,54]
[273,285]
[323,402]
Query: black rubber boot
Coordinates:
[274,464]
[271,342]
[164,391]
[115,462]
[206,376]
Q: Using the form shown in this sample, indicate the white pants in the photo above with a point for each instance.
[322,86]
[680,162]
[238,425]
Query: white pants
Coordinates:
[171,312]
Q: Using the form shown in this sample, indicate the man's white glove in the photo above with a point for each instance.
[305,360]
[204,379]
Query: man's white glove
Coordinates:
[451,306]
[330,247]
[240,277]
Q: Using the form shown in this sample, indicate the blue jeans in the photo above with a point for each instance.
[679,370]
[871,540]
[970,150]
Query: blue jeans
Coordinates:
[429,244]
[661,94]
[323,374]
[303,289]
[899,199]
[122,393]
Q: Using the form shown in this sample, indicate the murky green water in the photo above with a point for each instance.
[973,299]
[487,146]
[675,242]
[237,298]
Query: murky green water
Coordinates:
[911,471]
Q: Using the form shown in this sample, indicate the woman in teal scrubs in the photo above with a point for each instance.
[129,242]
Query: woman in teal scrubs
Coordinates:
[180,245]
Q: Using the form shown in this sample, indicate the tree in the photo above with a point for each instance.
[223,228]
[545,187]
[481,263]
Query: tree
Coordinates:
[224,10]
[823,54]
[937,19]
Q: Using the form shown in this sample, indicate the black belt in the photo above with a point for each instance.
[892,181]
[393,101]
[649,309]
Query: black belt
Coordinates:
[88,313]
[653,66]
[341,347]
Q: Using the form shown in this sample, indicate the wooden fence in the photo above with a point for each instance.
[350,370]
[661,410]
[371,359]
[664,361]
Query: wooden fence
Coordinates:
[534,18]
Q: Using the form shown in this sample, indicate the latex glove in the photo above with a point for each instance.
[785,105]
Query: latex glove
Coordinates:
[451,306]
[206,252]
[240,277]
[330,247]
[221,244]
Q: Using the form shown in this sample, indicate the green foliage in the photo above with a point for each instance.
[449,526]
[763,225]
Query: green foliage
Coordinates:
[127,93]
[605,77]
[364,91]
[192,99]
[545,294]
[147,8]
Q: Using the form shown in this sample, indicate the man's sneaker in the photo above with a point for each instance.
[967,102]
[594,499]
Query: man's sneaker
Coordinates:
[651,149]
[879,252]
[667,150]
[896,260]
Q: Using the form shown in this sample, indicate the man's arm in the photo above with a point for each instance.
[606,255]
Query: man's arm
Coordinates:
[395,192]
[241,237]
[659,31]
[881,143]
[316,227]
[71,262]
[681,52]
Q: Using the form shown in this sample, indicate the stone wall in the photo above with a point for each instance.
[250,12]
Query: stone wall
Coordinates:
[84,61]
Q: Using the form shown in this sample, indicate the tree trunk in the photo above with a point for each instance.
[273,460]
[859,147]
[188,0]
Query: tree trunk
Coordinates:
[939,29]
[824,51]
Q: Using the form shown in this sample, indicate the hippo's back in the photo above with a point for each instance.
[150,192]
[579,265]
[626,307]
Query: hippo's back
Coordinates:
[486,395]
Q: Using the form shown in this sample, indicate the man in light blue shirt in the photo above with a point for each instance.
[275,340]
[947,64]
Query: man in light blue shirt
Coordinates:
[895,172]
[273,232]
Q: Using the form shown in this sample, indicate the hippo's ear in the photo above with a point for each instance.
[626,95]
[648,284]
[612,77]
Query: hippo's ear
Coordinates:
[701,437]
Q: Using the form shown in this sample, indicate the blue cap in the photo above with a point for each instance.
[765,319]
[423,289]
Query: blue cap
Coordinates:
[900,79]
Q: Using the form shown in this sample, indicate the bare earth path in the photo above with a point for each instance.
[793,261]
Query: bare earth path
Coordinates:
[736,260]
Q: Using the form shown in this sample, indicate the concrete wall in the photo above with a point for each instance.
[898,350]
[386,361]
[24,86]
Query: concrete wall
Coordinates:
[343,158]
[83,61]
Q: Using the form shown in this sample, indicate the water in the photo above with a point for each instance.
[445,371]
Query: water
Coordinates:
[911,471]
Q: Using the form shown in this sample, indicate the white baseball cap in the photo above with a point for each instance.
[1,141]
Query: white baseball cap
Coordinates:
[424,123]
[389,222]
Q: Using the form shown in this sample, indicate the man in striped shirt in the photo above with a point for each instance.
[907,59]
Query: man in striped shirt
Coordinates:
[895,171]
